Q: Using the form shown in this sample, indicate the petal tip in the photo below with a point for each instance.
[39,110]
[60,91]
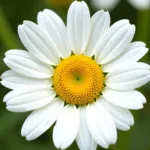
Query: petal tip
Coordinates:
[5,60]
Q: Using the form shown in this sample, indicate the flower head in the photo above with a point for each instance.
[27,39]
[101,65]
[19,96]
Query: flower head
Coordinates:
[83,77]
[105,4]
[111,4]
[140,4]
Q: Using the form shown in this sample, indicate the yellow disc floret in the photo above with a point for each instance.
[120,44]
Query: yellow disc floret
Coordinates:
[78,80]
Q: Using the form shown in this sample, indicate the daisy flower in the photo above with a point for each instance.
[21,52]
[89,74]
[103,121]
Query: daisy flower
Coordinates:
[104,4]
[111,4]
[83,77]
[140,4]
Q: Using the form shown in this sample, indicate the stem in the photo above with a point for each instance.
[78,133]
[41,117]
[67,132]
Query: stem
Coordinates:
[7,36]
[143,23]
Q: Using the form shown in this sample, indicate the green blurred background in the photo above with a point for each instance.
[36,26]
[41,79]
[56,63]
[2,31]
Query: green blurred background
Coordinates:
[12,13]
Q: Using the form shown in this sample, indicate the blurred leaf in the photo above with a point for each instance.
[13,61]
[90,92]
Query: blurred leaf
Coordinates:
[6,34]
[9,121]
[140,134]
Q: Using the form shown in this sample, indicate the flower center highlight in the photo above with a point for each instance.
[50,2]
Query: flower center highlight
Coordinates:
[78,80]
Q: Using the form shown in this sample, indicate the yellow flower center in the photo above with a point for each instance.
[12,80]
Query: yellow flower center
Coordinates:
[78,80]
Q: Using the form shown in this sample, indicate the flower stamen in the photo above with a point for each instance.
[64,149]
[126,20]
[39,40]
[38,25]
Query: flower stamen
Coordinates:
[78,80]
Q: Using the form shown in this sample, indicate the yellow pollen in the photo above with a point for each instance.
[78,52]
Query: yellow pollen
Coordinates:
[78,80]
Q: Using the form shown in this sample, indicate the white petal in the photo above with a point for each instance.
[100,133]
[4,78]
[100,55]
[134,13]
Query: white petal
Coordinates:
[56,30]
[101,125]
[127,99]
[128,77]
[122,117]
[66,128]
[27,99]
[41,120]
[78,26]
[38,43]
[140,4]
[104,4]
[115,42]
[25,64]
[13,80]
[100,23]
[135,52]
[84,139]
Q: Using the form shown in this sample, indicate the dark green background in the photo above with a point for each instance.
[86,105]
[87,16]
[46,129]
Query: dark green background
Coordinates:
[12,13]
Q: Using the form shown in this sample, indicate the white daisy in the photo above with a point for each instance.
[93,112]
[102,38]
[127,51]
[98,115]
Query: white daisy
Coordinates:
[111,4]
[140,4]
[104,4]
[83,77]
